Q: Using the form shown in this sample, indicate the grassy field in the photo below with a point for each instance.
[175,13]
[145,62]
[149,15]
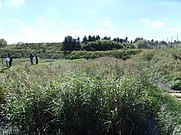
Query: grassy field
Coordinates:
[102,96]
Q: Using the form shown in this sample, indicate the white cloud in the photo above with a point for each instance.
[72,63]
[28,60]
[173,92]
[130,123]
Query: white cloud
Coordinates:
[36,34]
[78,33]
[104,28]
[175,29]
[157,24]
[27,30]
[152,23]
[16,3]
[41,23]
[42,30]
[145,20]
[107,23]
[1,5]
[101,32]
[172,29]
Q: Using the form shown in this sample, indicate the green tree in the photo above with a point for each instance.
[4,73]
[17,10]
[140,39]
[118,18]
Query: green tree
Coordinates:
[126,39]
[89,38]
[67,43]
[3,43]
[98,37]
[137,39]
[141,44]
[162,44]
[84,40]
[70,44]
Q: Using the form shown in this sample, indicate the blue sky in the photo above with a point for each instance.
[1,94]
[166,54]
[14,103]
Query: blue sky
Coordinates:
[52,20]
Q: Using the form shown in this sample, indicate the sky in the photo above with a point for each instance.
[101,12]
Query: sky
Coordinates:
[52,20]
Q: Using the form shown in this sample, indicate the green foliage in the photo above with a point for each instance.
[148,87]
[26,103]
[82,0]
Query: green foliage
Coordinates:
[176,54]
[147,55]
[121,54]
[3,43]
[177,130]
[70,44]
[141,44]
[100,96]
[2,102]
[56,54]
[165,63]
[101,45]
[176,84]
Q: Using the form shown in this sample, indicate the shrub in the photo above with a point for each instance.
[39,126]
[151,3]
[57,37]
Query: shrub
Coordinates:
[87,97]
[176,85]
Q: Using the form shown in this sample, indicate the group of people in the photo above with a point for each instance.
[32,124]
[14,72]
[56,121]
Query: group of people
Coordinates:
[9,60]
[31,59]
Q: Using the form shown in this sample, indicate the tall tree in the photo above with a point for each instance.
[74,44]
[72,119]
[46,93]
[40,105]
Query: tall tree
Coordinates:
[137,39]
[98,37]
[3,42]
[141,44]
[84,40]
[107,38]
[70,44]
[67,43]
[121,40]
[76,44]
[126,39]
[89,38]
[93,38]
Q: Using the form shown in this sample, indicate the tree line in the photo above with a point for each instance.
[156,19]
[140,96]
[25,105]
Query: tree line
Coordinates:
[3,42]
[96,43]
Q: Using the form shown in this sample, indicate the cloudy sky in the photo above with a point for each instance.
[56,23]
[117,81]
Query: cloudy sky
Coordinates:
[52,20]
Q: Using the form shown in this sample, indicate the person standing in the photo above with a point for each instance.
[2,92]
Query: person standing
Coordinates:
[7,62]
[31,58]
[36,58]
[10,60]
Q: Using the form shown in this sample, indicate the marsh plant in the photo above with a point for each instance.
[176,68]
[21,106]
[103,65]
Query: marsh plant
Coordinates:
[105,96]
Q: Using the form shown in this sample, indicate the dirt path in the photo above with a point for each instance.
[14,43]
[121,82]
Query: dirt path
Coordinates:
[172,92]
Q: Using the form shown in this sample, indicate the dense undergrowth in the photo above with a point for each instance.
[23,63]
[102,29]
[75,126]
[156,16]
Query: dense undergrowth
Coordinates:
[165,64]
[104,96]
[53,52]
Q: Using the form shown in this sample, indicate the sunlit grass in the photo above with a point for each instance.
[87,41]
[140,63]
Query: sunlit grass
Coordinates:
[100,96]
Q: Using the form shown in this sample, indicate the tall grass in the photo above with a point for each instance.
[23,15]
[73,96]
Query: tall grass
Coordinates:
[104,96]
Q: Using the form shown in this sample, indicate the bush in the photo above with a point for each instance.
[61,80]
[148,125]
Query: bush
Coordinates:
[87,97]
[2,102]
[78,104]
[176,85]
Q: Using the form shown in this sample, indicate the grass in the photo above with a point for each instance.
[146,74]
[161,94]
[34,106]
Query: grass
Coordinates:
[165,63]
[105,96]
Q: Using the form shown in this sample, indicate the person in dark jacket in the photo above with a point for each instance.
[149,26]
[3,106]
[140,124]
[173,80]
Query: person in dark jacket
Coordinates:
[31,58]
[36,58]
[10,60]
